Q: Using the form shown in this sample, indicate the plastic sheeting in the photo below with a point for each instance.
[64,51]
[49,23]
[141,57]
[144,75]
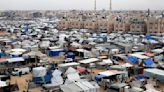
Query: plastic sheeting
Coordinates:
[72,74]
[148,61]
[149,37]
[70,70]
[39,72]
[57,78]
[71,55]
[2,84]
[55,52]
[157,73]
[133,59]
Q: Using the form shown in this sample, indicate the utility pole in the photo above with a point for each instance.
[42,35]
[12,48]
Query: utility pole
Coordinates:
[110,6]
[95,6]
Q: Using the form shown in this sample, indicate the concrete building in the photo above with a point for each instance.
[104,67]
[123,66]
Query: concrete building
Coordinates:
[91,24]
[155,25]
[138,26]
[122,26]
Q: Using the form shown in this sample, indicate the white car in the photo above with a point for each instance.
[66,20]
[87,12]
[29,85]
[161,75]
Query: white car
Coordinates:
[25,70]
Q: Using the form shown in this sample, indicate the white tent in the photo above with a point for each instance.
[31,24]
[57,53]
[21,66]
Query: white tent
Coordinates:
[39,72]
[70,70]
[18,50]
[57,78]
[18,59]
[3,84]
[87,61]
[72,74]
[107,61]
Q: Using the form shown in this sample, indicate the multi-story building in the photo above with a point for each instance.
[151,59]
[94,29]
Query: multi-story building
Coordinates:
[138,26]
[76,23]
[63,24]
[125,22]
[91,24]
[122,26]
[155,25]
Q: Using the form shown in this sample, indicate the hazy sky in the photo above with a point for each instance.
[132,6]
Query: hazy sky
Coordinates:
[79,4]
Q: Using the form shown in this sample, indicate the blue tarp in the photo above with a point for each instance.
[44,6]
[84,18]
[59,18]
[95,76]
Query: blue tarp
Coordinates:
[2,54]
[133,59]
[15,56]
[55,53]
[39,80]
[26,28]
[148,37]
[98,77]
[148,61]
[163,59]
[71,55]
[139,77]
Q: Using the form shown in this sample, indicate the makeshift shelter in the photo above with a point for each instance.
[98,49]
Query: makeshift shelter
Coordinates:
[13,60]
[132,59]
[55,52]
[108,73]
[105,62]
[156,73]
[3,84]
[39,72]
[40,75]
[85,53]
[72,75]
[83,86]
[148,62]
[87,61]
[56,79]
[71,55]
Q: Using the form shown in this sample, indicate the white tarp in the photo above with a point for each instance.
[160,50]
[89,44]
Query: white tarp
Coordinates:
[157,51]
[69,64]
[85,89]
[87,54]
[72,74]
[70,70]
[107,61]
[18,59]
[15,53]
[140,56]
[39,72]
[87,61]
[71,88]
[127,65]
[57,78]
[77,45]
[18,50]
[3,84]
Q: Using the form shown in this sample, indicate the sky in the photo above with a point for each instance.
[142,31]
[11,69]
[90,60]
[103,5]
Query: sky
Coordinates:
[80,4]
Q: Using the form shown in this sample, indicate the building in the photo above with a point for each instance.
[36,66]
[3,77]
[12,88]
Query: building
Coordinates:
[138,26]
[155,25]
[121,26]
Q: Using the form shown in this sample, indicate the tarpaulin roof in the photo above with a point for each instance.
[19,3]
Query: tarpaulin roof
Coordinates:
[149,54]
[148,61]
[149,37]
[132,59]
